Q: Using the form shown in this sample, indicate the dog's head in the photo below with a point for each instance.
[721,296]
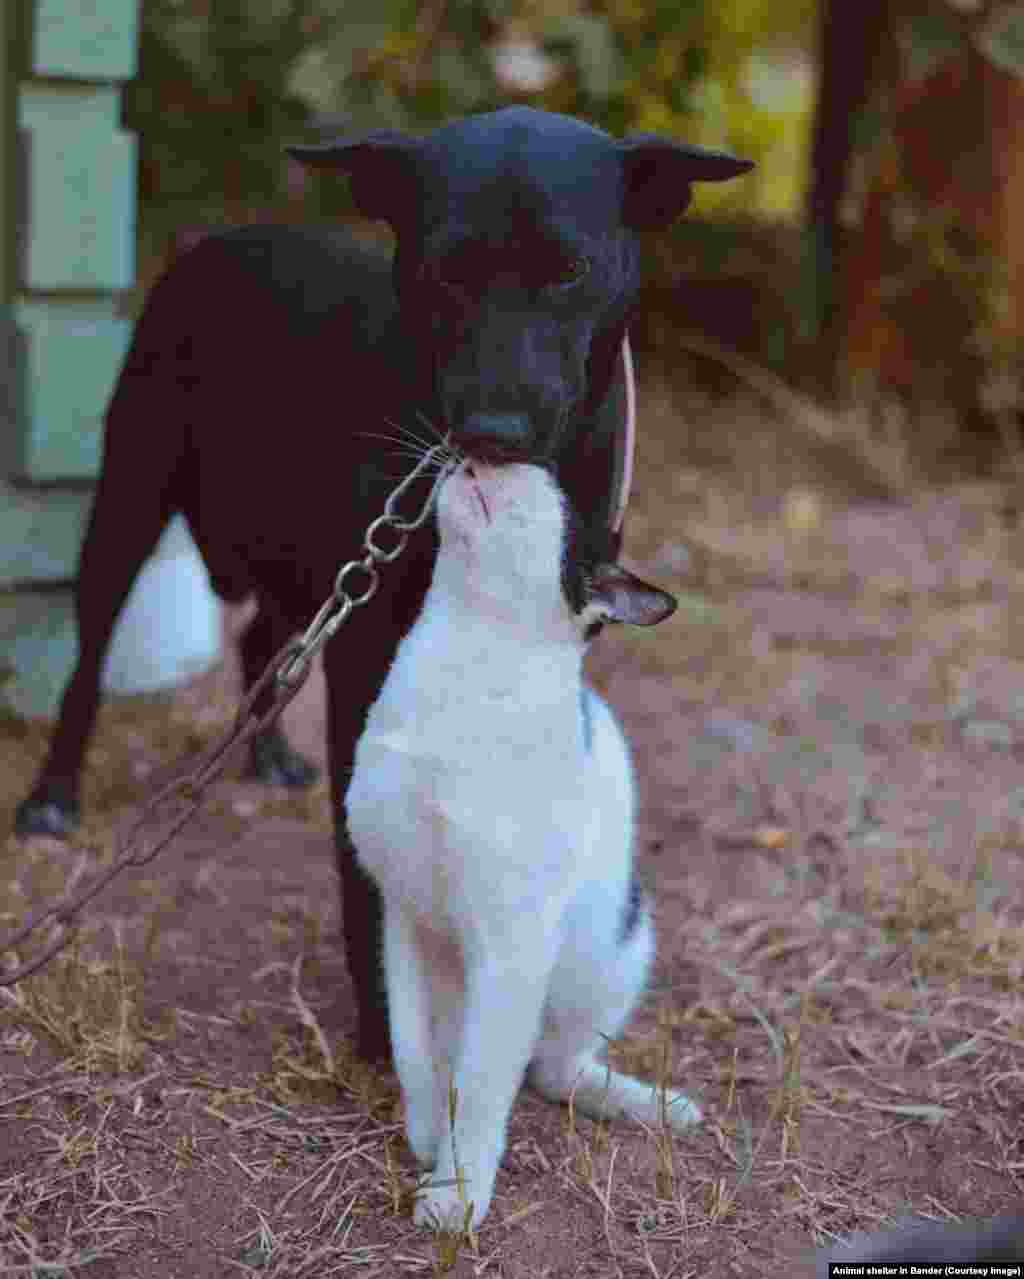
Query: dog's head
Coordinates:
[517,259]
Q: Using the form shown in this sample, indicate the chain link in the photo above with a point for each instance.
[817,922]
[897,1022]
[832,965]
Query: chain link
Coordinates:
[335,611]
[287,672]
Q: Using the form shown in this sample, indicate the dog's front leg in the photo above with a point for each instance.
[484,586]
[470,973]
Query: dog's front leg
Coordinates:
[503,1005]
[361,916]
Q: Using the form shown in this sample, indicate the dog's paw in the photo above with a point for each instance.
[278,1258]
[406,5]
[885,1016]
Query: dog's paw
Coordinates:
[51,809]
[441,1207]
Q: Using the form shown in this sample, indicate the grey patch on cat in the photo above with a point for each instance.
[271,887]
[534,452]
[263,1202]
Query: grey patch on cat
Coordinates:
[586,718]
[632,911]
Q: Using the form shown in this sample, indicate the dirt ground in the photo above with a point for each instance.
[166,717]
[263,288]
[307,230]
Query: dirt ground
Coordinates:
[828,739]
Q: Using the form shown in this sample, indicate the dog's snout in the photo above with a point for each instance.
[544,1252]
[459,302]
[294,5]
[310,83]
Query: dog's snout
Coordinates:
[494,437]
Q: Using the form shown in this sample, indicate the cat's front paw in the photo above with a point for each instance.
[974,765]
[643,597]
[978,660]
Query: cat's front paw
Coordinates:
[681,1112]
[442,1208]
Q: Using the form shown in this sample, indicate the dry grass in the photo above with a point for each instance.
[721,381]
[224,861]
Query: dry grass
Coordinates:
[863,995]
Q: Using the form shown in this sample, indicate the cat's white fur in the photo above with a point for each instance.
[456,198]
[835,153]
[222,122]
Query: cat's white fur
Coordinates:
[501,842]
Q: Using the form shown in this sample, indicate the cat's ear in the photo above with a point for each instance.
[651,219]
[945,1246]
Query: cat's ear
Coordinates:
[618,596]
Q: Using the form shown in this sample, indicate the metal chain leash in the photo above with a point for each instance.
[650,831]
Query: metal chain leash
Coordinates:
[288,672]
[335,611]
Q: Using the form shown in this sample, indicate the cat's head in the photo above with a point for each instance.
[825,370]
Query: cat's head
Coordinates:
[513,547]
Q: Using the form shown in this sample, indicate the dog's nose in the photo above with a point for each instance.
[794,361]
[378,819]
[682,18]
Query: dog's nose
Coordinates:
[494,437]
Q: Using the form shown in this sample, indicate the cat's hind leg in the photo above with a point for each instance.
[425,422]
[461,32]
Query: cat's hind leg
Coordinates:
[601,970]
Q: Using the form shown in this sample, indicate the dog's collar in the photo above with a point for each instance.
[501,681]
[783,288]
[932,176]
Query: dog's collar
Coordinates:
[625,444]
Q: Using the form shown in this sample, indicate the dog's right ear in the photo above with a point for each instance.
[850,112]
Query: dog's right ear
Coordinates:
[659,173]
[381,166]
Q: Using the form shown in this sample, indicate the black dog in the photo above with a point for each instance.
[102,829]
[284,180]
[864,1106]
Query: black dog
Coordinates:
[268,363]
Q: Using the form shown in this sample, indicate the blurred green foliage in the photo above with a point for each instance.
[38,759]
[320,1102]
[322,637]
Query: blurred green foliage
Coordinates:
[224,83]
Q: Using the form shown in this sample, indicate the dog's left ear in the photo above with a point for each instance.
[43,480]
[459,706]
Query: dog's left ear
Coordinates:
[621,597]
[658,175]
[381,166]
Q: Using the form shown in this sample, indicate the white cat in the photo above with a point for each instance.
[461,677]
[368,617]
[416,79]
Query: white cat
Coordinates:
[492,800]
